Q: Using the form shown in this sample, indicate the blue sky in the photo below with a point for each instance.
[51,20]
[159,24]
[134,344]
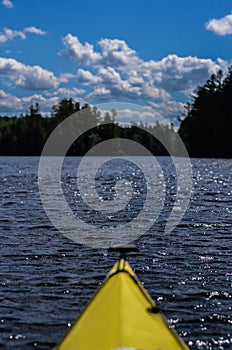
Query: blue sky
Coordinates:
[150,52]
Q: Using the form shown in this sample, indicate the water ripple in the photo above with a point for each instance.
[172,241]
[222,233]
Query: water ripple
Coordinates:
[46,280]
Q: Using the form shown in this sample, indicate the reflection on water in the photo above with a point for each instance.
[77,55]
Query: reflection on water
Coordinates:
[46,279]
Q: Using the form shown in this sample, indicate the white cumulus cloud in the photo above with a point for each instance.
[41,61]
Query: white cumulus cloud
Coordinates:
[113,52]
[7,3]
[34,30]
[27,77]
[66,93]
[8,34]
[109,71]
[116,52]
[117,71]
[83,53]
[87,78]
[12,104]
[178,74]
[221,26]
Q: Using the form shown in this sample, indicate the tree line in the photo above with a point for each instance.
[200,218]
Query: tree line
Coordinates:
[206,129]
[26,135]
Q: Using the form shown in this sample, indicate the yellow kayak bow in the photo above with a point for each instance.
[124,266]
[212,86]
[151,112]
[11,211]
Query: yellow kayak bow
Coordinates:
[121,316]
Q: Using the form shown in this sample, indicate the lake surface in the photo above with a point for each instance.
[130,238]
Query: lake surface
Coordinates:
[46,279]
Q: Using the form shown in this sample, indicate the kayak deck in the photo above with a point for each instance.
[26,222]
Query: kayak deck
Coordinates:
[121,316]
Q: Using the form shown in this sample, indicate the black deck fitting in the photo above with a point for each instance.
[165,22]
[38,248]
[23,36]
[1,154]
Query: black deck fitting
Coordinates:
[124,249]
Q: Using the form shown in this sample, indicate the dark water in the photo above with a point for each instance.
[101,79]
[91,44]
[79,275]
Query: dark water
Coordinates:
[45,279]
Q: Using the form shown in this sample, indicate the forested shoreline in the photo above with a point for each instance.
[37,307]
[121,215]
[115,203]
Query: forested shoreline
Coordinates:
[26,135]
[206,128]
